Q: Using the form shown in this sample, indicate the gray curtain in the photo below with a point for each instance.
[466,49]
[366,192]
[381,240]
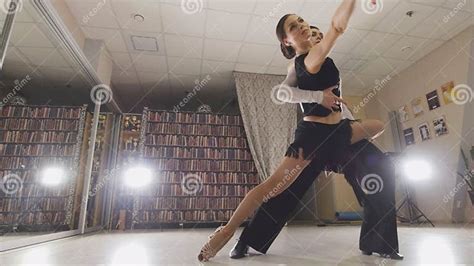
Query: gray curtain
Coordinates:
[269,126]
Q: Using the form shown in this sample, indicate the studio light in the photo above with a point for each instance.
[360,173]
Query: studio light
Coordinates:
[52,176]
[416,169]
[413,169]
[137,177]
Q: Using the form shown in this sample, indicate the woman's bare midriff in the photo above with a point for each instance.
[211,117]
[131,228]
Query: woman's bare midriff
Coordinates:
[332,118]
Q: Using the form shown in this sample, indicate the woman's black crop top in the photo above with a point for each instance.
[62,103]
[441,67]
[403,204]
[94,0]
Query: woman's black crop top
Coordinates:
[327,76]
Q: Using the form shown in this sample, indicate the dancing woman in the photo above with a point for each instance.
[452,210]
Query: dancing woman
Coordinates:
[321,138]
[379,230]
[289,93]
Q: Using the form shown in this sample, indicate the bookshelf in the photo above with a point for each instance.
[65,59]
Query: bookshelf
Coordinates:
[203,169]
[31,139]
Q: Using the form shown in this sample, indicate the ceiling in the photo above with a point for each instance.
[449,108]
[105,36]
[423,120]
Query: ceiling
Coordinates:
[217,37]
[35,53]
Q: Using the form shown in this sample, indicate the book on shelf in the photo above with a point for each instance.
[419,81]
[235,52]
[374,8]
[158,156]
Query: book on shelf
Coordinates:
[196,153]
[26,124]
[40,112]
[193,141]
[195,129]
[183,117]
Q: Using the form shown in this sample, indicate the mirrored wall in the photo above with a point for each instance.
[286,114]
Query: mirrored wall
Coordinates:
[45,139]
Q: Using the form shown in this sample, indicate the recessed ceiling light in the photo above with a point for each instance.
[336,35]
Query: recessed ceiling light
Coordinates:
[144,43]
[406,48]
[138,18]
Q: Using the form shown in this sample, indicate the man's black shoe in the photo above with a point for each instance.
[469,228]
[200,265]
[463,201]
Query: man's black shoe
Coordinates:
[239,250]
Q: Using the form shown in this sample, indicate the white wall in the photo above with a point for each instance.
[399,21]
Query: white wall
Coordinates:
[449,62]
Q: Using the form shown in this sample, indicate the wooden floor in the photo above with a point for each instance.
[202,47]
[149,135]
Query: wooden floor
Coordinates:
[296,245]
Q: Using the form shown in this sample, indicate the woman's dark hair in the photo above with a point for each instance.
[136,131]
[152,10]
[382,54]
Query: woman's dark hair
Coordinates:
[288,51]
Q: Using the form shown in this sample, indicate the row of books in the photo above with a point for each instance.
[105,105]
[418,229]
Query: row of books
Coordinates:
[33,218]
[19,163]
[202,165]
[188,203]
[194,118]
[37,190]
[195,129]
[204,190]
[40,125]
[38,136]
[196,141]
[40,112]
[36,150]
[202,153]
[209,177]
[182,216]
[32,204]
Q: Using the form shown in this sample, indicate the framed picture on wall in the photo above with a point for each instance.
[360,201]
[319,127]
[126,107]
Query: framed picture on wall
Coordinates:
[403,113]
[409,136]
[424,131]
[446,90]
[433,100]
[440,127]
[417,106]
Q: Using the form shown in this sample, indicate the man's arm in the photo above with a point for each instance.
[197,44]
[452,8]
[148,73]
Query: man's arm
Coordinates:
[289,93]
[346,112]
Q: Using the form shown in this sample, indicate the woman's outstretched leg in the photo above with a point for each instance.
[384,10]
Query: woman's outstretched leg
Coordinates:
[287,172]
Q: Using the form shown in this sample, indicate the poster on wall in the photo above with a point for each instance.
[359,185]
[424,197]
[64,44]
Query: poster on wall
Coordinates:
[417,106]
[403,113]
[424,131]
[446,90]
[409,136]
[433,100]
[440,127]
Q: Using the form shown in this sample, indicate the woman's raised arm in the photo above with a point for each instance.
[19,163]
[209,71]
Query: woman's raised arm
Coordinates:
[340,20]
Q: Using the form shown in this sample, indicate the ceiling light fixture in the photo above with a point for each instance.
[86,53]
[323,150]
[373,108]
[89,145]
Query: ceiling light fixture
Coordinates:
[406,48]
[138,18]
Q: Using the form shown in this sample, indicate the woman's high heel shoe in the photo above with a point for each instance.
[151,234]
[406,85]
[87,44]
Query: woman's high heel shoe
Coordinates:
[209,251]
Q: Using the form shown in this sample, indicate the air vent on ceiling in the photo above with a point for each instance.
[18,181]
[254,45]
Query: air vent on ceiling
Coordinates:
[141,43]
